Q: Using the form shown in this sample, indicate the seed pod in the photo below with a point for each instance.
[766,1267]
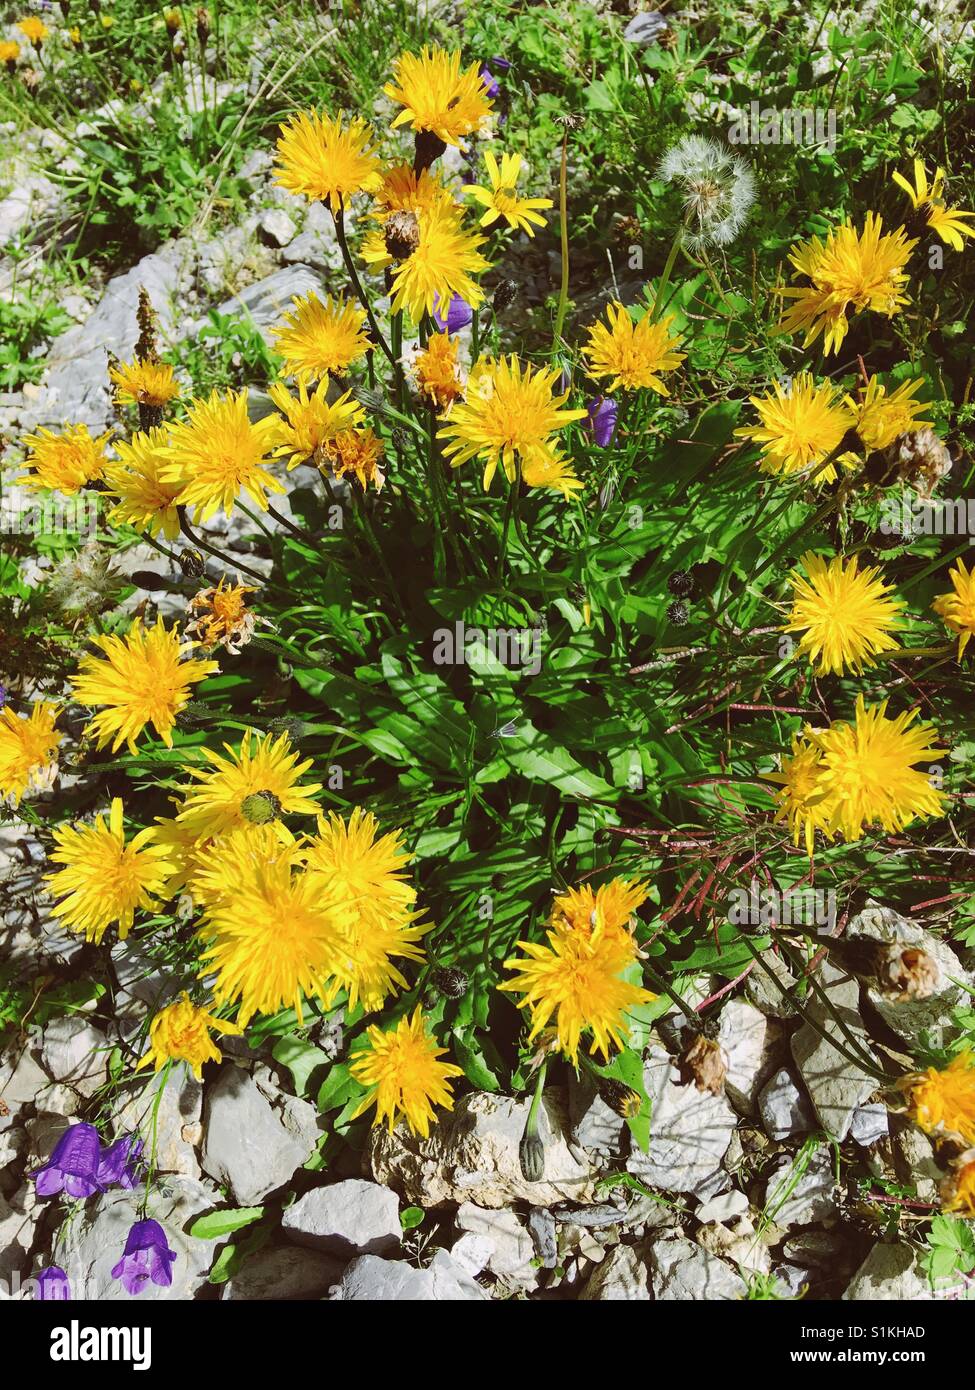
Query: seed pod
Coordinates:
[452,982]
[504,296]
[681,583]
[677,613]
[192,563]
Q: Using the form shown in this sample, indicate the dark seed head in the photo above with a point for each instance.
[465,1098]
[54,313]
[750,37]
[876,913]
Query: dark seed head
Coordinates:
[681,583]
[192,563]
[678,613]
[451,981]
[402,234]
[531,1155]
[504,296]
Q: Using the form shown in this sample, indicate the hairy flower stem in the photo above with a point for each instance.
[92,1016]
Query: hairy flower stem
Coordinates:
[563,304]
[508,508]
[475,335]
[659,303]
[531,1151]
[339,219]
[436,515]
[236,564]
[396,333]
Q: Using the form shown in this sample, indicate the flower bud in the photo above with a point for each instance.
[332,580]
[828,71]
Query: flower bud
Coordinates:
[681,583]
[531,1155]
[678,613]
[452,982]
[620,1098]
[260,807]
[705,1063]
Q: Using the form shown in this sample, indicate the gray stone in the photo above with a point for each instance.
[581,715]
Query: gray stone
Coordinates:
[371,1279]
[760,990]
[75,1052]
[915,1020]
[621,1277]
[471,1155]
[738,1242]
[276,227]
[245,1143]
[91,1245]
[18,1223]
[512,1251]
[645,28]
[13,1140]
[268,300]
[800,1191]
[869,1124]
[785,1110]
[723,1208]
[32,197]
[915,1162]
[284,1272]
[21,1078]
[690,1131]
[174,1118]
[471,1252]
[542,1229]
[593,1124]
[794,1279]
[345,1218]
[749,1046]
[837,1086]
[890,1273]
[682,1271]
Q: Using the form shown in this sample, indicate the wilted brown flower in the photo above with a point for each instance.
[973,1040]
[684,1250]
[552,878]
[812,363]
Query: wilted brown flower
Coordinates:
[907,972]
[704,1062]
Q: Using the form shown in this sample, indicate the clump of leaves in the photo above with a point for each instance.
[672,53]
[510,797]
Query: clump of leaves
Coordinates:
[27,324]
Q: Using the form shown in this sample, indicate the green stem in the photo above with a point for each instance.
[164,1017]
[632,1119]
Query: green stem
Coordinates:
[234,563]
[339,219]
[564,221]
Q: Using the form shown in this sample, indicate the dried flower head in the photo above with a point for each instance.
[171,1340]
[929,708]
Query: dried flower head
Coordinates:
[907,972]
[219,617]
[706,1064]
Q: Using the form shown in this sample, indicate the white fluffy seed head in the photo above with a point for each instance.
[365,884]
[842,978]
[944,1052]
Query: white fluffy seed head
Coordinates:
[718,189]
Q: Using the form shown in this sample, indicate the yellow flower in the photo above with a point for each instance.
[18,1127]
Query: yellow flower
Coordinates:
[105,880]
[441,266]
[318,338]
[942,1101]
[141,680]
[868,770]
[803,799]
[501,200]
[950,224]
[28,748]
[634,354]
[257,784]
[311,422]
[358,452]
[843,612]
[325,162]
[64,461]
[403,190]
[219,616]
[437,96]
[799,428]
[402,1069]
[509,412]
[74,34]
[957,609]
[144,383]
[271,941]
[554,472]
[181,1033]
[958,1188]
[364,878]
[107,20]
[33,29]
[145,501]
[850,271]
[437,371]
[217,452]
[880,419]
[577,979]
[209,870]
[9,50]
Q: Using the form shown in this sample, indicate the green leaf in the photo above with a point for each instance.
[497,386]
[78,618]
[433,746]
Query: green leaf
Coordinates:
[222,1223]
[301,1058]
[411,1217]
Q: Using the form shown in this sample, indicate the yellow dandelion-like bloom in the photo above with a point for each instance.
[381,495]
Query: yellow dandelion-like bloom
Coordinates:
[181,1033]
[357,454]
[577,979]
[217,452]
[144,500]
[849,272]
[509,412]
[105,880]
[141,679]
[33,29]
[362,876]
[843,613]
[28,749]
[144,383]
[950,224]
[307,424]
[325,161]
[501,199]
[868,770]
[441,266]
[9,50]
[803,800]
[880,419]
[65,461]
[437,371]
[209,869]
[942,1102]
[634,354]
[957,609]
[318,338]
[258,783]
[958,1188]
[219,617]
[404,1074]
[437,96]
[403,190]
[608,908]
[272,941]
[553,472]
[799,428]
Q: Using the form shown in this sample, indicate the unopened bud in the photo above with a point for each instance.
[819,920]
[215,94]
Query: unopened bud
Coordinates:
[260,807]
[620,1098]
[531,1155]
[451,982]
